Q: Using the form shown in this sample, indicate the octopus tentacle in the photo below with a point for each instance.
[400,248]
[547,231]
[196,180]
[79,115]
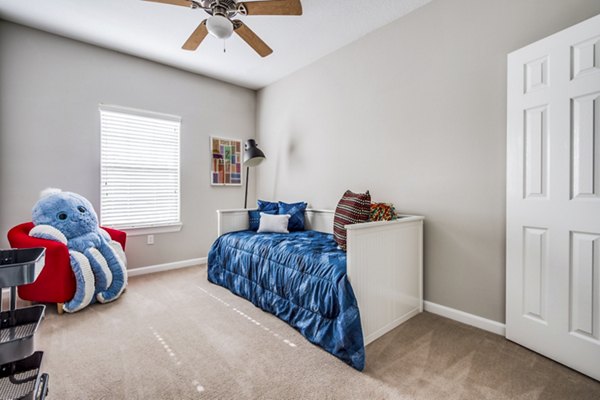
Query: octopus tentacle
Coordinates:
[119,273]
[119,251]
[102,273]
[84,277]
[48,232]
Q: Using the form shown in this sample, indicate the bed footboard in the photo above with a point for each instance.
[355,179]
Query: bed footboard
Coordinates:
[385,268]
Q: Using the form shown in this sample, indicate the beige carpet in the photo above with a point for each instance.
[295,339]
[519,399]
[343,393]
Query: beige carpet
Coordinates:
[173,335]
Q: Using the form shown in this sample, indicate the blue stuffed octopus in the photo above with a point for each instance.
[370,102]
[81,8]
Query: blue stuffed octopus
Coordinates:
[98,262]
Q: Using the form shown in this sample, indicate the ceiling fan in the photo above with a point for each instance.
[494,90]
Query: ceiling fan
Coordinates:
[222,25]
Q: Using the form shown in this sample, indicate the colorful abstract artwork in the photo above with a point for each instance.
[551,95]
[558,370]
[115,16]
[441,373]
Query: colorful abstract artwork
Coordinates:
[226,162]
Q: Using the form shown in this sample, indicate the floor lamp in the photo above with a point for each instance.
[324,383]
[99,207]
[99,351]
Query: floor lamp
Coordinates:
[252,157]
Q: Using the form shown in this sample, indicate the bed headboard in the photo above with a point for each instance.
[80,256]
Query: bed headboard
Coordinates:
[319,220]
[237,220]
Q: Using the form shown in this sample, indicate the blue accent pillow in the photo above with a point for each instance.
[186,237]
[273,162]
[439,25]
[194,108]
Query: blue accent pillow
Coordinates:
[296,212]
[254,217]
[267,206]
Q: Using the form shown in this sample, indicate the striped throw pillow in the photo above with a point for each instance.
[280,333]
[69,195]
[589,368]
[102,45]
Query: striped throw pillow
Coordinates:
[353,208]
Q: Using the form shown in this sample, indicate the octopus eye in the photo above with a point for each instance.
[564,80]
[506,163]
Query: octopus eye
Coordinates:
[62,216]
[81,209]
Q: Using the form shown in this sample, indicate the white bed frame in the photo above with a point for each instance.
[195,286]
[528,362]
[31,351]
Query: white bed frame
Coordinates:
[384,265]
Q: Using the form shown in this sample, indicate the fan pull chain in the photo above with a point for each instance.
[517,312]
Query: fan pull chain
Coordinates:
[224,46]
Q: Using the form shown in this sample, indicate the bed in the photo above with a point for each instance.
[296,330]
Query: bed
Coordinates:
[338,300]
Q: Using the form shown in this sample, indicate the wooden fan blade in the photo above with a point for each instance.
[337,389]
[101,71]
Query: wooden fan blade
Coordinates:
[272,7]
[196,37]
[252,39]
[184,3]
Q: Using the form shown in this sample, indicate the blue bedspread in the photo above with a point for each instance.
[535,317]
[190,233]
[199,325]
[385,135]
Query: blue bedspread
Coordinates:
[301,278]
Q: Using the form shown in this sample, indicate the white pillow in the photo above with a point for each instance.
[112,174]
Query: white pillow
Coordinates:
[273,223]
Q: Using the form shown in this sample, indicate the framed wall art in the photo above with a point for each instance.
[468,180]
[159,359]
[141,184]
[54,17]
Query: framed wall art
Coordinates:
[226,162]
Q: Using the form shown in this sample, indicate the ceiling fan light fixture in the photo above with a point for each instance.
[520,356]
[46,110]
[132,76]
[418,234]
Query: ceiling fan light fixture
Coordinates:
[219,26]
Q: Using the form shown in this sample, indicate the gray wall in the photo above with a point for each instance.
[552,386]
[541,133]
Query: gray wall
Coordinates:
[416,113]
[50,88]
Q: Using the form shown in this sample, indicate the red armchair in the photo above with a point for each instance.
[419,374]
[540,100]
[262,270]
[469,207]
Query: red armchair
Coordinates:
[56,283]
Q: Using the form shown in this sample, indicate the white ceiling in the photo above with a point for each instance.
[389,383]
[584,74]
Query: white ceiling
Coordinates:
[157,32]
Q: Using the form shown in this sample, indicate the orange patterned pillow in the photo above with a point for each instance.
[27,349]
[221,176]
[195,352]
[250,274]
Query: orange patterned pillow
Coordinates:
[383,212]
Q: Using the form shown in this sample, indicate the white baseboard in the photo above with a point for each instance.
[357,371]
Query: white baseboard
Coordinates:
[457,315]
[166,267]
[466,318]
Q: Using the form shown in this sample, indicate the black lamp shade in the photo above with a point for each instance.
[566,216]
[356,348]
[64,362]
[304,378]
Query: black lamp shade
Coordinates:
[252,154]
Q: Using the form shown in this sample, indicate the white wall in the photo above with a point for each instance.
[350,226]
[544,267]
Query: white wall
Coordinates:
[50,88]
[416,113]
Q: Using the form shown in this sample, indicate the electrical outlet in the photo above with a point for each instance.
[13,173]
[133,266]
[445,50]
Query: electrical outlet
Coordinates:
[150,239]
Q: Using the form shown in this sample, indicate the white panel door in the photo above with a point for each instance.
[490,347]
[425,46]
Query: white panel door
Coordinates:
[553,197]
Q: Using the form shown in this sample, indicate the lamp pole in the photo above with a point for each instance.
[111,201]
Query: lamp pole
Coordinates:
[246,196]
[252,157]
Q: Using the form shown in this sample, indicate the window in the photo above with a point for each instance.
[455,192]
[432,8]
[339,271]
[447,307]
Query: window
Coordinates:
[139,169]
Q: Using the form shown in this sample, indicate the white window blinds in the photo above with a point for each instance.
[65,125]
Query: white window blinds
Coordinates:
[139,168]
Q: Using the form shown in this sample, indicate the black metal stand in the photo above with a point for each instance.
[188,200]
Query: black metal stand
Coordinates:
[247,178]
[20,366]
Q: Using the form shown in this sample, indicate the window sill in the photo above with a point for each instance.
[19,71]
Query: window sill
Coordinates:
[150,230]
